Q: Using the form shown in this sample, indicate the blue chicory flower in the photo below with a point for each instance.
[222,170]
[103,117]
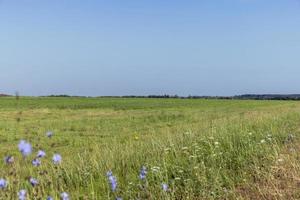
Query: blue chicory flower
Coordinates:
[64,196]
[33,181]
[165,187]
[49,134]
[9,159]
[25,148]
[22,194]
[112,180]
[3,183]
[143,173]
[36,162]
[41,154]
[56,159]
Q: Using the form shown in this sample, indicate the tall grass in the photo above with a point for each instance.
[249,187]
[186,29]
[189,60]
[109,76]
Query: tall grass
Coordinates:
[200,149]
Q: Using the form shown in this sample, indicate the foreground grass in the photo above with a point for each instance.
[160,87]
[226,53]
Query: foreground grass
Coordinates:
[203,149]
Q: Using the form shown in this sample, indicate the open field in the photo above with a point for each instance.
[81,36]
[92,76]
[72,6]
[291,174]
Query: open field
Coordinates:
[201,149]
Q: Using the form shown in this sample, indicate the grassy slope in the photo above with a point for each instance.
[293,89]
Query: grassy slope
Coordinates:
[203,148]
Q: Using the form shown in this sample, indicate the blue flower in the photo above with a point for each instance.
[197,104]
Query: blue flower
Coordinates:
[49,134]
[49,198]
[36,162]
[143,173]
[112,180]
[9,159]
[33,181]
[3,183]
[64,196]
[165,187]
[118,198]
[25,148]
[41,154]
[109,173]
[22,194]
[56,159]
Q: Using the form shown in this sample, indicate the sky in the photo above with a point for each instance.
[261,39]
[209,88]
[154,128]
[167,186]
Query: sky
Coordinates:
[142,47]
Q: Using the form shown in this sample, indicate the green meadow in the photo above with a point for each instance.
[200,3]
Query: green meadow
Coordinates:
[200,149]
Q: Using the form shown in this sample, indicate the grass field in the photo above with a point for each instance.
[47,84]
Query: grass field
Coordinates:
[200,149]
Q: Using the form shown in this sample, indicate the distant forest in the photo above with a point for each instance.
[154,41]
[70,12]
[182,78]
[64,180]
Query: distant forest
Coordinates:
[166,96]
[242,97]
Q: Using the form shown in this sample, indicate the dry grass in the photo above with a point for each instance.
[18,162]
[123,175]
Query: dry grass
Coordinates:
[283,181]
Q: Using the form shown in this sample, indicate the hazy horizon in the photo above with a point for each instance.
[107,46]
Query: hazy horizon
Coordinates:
[115,48]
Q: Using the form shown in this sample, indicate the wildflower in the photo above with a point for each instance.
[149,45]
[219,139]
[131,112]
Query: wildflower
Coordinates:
[216,143]
[9,159]
[262,141]
[155,169]
[25,148]
[36,162]
[112,180]
[165,187]
[49,134]
[118,198]
[250,133]
[280,160]
[143,173]
[49,198]
[64,196]
[56,159]
[22,194]
[109,173]
[33,181]
[3,183]
[41,154]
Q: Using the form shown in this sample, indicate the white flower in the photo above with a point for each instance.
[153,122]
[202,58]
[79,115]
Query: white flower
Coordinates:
[280,160]
[155,169]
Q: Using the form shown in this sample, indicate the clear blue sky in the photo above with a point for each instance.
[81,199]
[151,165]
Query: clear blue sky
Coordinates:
[139,47]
